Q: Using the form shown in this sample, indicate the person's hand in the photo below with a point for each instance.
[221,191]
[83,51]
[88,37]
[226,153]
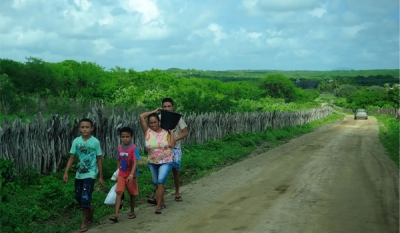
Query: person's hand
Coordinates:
[172,130]
[157,110]
[130,178]
[101,182]
[65,178]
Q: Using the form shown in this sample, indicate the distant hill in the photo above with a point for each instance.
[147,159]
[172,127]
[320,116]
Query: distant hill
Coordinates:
[238,75]
[342,68]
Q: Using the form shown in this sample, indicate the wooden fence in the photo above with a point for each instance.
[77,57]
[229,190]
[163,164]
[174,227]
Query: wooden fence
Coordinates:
[390,111]
[44,143]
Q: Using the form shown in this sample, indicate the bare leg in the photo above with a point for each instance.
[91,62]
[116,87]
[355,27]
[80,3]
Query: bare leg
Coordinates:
[85,215]
[160,195]
[114,217]
[91,213]
[176,182]
[118,203]
[132,213]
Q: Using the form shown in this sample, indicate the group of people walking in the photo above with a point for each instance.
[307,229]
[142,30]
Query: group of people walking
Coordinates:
[164,155]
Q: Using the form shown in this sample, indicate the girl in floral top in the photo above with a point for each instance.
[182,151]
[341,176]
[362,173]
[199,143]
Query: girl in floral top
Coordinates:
[159,144]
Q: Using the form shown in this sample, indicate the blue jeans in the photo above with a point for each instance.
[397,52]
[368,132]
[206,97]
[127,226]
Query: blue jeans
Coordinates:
[159,172]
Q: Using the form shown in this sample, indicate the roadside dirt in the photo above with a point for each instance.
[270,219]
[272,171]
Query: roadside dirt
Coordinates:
[335,179]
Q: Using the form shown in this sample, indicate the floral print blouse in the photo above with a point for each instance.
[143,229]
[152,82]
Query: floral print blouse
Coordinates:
[157,146]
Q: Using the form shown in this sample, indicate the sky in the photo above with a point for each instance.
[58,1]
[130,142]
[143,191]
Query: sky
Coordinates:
[204,35]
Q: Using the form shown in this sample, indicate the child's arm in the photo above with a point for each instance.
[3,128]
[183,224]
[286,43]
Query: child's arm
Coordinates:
[100,166]
[69,164]
[134,164]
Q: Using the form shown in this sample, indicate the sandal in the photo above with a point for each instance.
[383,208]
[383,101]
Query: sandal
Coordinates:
[132,216]
[158,211]
[152,201]
[113,218]
[83,229]
[178,198]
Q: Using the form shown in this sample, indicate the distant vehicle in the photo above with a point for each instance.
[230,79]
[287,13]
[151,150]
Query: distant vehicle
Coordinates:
[360,114]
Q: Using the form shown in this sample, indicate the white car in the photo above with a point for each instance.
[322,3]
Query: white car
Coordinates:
[360,114]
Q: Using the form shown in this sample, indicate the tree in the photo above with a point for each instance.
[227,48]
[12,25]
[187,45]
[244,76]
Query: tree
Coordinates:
[279,86]
[345,90]
[9,100]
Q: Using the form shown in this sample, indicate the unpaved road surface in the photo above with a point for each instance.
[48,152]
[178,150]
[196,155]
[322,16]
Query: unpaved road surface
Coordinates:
[335,179]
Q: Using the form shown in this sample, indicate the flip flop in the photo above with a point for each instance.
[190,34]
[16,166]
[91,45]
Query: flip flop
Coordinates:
[158,211]
[83,229]
[178,198]
[152,201]
[132,216]
[113,218]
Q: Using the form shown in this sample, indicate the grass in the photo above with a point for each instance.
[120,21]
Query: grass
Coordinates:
[325,98]
[47,205]
[389,135]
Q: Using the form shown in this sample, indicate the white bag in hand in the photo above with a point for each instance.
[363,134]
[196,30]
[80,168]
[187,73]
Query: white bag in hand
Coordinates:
[111,196]
[115,175]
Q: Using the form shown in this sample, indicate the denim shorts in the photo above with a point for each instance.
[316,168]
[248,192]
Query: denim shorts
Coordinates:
[83,191]
[177,152]
[159,172]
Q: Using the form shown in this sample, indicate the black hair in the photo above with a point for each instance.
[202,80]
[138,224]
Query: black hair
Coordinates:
[86,120]
[126,130]
[153,115]
[168,100]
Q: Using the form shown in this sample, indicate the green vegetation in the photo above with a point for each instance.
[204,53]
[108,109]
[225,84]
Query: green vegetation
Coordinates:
[369,98]
[237,75]
[389,136]
[52,208]
[70,86]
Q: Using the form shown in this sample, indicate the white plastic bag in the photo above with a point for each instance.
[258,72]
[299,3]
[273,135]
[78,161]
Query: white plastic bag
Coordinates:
[115,175]
[111,196]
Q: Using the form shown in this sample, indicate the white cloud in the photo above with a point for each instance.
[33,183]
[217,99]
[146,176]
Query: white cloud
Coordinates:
[107,20]
[317,12]
[217,30]
[208,34]
[280,5]
[101,46]
[18,4]
[147,8]
[351,31]
[254,35]
[302,53]
[84,5]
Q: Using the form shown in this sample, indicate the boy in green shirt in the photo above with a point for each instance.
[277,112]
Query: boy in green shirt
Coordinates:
[87,149]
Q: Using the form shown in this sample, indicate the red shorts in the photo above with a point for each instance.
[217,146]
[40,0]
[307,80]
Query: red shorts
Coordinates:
[131,186]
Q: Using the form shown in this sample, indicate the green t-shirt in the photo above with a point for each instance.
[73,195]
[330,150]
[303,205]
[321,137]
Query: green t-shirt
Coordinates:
[87,151]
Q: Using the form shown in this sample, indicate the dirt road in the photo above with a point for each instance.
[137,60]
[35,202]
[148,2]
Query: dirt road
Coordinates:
[336,179]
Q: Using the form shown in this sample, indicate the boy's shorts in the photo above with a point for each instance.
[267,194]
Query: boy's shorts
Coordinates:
[176,163]
[83,191]
[131,186]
